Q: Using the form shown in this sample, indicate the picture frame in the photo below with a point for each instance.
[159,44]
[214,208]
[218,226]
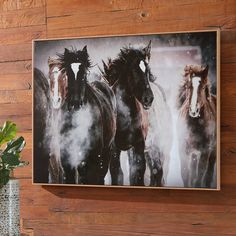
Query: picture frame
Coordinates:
[129,111]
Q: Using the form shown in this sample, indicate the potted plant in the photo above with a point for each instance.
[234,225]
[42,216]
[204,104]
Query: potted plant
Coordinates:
[10,149]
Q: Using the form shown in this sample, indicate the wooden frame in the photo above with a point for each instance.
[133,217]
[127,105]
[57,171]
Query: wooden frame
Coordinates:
[163,44]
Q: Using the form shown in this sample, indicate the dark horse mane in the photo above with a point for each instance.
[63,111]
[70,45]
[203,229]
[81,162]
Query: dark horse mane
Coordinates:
[184,95]
[53,61]
[73,56]
[116,69]
[76,87]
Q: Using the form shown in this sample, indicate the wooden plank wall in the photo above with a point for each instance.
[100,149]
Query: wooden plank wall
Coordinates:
[49,211]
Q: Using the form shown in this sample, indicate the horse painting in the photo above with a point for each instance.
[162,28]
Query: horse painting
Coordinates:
[129,76]
[88,123]
[197,140]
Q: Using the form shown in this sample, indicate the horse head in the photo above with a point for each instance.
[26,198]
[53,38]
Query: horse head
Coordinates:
[140,75]
[58,83]
[76,64]
[131,69]
[198,87]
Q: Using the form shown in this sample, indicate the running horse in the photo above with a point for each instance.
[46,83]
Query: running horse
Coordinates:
[58,86]
[88,123]
[129,76]
[198,142]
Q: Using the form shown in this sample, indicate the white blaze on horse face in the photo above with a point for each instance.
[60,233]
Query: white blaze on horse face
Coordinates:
[75,68]
[194,106]
[142,66]
[56,98]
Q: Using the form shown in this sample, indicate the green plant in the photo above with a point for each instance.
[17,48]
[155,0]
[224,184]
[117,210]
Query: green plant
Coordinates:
[10,153]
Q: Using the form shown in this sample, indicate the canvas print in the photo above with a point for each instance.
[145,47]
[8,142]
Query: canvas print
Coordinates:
[134,110]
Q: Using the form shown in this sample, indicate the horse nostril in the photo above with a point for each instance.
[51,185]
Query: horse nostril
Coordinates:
[59,99]
[151,99]
[147,100]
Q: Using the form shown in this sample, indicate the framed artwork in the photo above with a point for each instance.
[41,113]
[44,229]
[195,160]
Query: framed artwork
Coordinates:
[128,111]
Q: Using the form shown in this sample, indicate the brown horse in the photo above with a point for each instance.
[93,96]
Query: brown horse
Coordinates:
[58,81]
[198,141]
[58,86]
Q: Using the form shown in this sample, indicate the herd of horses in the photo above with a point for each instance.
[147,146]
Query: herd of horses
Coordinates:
[81,127]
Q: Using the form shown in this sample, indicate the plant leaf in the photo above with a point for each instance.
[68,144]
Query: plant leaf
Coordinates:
[23,163]
[10,159]
[4,176]
[10,155]
[15,146]
[7,132]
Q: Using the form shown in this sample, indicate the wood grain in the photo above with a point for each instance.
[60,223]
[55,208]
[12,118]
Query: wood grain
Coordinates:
[15,67]
[11,5]
[21,81]
[22,35]
[54,211]
[16,52]
[22,18]
[15,96]
[121,17]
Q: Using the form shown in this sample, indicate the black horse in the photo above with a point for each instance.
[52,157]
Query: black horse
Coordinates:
[89,122]
[129,76]
[41,112]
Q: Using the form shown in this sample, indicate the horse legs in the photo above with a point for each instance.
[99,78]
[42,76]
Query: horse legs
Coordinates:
[194,159]
[185,162]
[88,171]
[56,172]
[156,170]
[137,165]
[81,174]
[94,168]
[69,174]
[117,177]
[210,169]
[102,164]
[202,167]
[165,167]
[69,171]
